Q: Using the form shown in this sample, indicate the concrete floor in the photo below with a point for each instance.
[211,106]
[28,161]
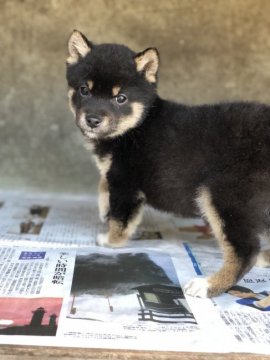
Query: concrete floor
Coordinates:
[211,50]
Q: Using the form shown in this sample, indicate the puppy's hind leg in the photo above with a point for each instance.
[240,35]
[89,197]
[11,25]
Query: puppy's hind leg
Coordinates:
[240,249]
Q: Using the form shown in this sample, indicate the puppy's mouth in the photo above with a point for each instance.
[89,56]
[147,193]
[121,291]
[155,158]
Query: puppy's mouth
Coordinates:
[90,133]
[93,126]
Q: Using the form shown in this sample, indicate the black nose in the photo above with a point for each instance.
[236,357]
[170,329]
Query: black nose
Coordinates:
[93,121]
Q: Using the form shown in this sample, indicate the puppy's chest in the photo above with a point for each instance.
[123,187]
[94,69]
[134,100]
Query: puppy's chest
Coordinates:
[118,167]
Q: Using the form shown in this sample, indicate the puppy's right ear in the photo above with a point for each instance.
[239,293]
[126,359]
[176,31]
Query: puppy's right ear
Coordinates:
[78,46]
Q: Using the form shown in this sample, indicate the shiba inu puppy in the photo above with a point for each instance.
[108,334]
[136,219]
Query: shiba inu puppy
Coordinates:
[210,160]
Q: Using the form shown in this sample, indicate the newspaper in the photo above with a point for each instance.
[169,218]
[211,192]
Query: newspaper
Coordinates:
[57,288]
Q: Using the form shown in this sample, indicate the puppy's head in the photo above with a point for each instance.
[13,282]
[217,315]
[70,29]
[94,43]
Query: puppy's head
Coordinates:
[110,87]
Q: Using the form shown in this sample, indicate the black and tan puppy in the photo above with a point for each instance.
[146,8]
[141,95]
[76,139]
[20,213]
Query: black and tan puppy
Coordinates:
[209,160]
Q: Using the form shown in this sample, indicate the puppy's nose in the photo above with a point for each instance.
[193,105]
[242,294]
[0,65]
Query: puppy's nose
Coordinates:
[93,121]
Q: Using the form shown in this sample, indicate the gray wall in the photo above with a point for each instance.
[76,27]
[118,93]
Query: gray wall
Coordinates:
[211,50]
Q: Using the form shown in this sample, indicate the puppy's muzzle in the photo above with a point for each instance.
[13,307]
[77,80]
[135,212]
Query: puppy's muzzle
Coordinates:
[93,121]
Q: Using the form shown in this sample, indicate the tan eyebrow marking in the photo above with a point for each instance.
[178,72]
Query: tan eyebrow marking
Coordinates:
[90,84]
[115,90]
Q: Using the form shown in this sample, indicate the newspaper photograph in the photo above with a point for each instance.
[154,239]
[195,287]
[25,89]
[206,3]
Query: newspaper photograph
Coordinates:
[57,288]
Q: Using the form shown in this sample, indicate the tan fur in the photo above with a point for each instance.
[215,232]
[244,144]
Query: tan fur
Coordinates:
[137,216]
[263,259]
[105,122]
[204,202]
[77,47]
[130,121]
[231,269]
[90,84]
[148,62]
[115,90]
[228,274]
[118,234]
[103,198]
[103,164]
[70,94]
[81,120]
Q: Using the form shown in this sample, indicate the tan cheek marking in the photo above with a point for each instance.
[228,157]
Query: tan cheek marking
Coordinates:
[71,106]
[130,121]
[105,122]
[90,84]
[233,266]
[115,90]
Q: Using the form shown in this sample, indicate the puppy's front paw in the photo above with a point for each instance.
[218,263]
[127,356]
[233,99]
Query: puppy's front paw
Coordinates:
[105,240]
[102,239]
[198,287]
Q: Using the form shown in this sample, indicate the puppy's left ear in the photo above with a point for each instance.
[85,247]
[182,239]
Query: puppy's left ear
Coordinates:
[147,62]
[78,46]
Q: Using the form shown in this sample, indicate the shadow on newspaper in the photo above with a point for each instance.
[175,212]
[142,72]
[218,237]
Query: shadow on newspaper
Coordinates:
[30,220]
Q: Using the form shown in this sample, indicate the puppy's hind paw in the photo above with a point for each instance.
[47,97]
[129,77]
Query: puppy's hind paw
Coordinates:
[263,259]
[198,287]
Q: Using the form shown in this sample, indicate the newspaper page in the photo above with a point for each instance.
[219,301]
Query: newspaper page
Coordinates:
[57,288]
[62,220]
[50,219]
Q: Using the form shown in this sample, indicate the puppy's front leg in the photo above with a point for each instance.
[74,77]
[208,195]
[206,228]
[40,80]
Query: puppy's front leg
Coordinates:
[103,199]
[125,215]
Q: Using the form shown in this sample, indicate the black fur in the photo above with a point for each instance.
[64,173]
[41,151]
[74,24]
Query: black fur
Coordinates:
[175,150]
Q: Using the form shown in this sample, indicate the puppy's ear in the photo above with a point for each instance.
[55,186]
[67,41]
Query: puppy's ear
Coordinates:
[78,46]
[147,62]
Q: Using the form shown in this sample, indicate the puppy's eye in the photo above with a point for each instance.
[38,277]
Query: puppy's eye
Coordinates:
[84,91]
[121,99]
